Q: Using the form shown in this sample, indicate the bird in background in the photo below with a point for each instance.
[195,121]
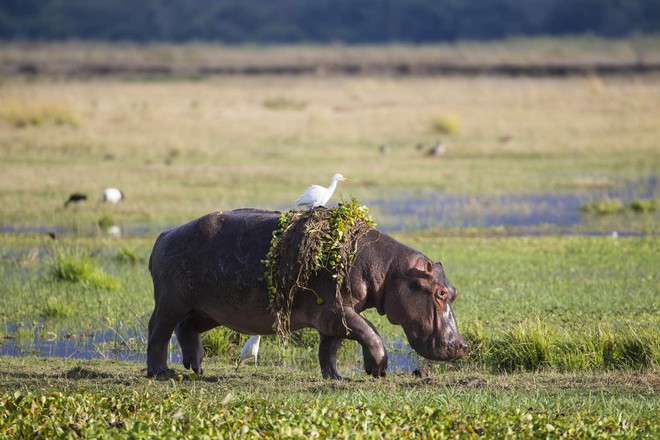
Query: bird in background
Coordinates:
[112,195]
[249,350]
[438,150]
[317,195]
[75,198]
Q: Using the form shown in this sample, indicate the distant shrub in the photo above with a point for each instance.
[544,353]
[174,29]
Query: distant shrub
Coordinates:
[21,114]
[105,221]
[644,205]
[130,256]
[604,206]
[446,124]
[76,267]
[283,103]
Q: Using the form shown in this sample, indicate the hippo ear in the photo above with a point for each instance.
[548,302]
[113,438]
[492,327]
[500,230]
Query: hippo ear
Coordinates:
[429,266]
[439,263]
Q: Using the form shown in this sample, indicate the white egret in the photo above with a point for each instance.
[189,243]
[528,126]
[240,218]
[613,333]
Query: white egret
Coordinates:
[317,195]
[249,350]
[112,195]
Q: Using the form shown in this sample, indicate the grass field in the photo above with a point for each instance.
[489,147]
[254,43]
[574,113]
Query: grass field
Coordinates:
[182,148]
[564,336]
[564,330]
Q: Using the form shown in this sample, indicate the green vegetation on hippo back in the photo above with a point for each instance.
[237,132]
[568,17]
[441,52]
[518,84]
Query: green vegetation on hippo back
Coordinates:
[264,272]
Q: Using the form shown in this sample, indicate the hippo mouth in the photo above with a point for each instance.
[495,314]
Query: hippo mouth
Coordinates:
[437,349]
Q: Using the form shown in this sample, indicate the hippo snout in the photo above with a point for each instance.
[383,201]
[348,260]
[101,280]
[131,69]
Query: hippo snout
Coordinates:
[459,348]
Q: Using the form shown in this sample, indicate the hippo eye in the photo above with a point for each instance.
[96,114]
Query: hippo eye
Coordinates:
[441,295]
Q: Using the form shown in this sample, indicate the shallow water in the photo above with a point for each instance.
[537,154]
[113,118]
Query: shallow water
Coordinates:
[131,346]
[560,209]
[408,211]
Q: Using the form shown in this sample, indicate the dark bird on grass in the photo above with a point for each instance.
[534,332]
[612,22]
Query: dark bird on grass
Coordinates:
[438,150]
[112,195]
[249,350]
[53,235]
[75,198]
[384,150]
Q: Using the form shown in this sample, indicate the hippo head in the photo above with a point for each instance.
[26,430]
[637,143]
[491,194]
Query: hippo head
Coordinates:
[420,300]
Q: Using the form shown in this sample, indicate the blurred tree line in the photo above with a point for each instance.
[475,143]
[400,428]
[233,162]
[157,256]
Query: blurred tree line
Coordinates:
[322,21]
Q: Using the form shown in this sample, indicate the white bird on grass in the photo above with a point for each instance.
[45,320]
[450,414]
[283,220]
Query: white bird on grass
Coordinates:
[317,195]
[249,350]
[112,195]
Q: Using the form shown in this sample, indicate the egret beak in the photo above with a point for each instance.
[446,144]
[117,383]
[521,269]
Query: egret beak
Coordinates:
[344,179]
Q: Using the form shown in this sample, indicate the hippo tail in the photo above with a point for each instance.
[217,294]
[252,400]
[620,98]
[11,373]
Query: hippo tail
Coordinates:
[153,252]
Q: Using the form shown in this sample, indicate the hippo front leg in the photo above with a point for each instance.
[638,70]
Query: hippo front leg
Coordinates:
[373,350]
[360,330]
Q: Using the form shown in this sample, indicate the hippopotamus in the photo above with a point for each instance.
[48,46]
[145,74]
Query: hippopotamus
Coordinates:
[210,272]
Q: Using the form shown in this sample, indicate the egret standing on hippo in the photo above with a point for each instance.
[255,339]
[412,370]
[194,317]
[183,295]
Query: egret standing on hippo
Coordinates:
[211,272]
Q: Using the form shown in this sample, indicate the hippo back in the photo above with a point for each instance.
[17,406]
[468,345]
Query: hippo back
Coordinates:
[218,249]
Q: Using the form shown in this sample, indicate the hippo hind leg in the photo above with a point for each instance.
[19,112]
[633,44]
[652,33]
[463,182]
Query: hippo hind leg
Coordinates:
[161,326]
[188,334]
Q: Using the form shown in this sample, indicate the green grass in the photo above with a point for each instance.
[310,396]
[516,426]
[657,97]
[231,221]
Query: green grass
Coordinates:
[564,335]
[59,397]
[524,304]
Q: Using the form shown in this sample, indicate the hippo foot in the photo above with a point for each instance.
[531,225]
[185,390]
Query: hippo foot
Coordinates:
[198,370]
[163,373]
[376,372]
[375,369]
[334,375]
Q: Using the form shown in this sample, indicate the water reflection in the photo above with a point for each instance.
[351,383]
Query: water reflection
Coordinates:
[131,346]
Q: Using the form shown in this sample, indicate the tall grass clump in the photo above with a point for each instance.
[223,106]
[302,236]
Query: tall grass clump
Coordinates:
[446,123]
[644,205]
[630,348]
[525,346]
[608,205]
[533,345]
[78,267]
[222,341]
[129,256]
[284,103]
[21,114]
[54,308]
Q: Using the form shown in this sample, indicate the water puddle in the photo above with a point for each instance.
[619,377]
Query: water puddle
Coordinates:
[29,340]
[130,345]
